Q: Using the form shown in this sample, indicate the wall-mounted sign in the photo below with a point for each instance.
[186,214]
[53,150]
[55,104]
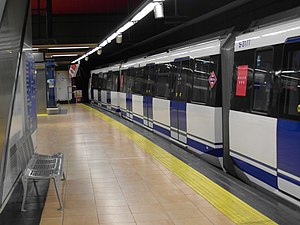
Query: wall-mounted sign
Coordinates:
[51,83]
[212,79]
[241,81]
[73,70]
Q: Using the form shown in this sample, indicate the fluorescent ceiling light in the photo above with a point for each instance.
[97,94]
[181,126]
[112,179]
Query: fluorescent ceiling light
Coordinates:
[111,37]
[103,44]
[66,55]
[94,50]
[145,11]
[70,47]
[125,27]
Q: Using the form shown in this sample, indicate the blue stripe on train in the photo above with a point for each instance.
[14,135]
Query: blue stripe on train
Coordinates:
[137,119]
[289,179]
[217,152]
[257,172]
[288,142]
[162,130]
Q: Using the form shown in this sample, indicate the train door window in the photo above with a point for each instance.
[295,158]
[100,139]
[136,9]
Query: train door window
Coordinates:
[182,84]
[103,78]
[115,81]
[242,59]
[200,80]
[263,80]
[162,86]
[149,79]
[290,82]
[109,81]
[122,80]
[139,81]
[129,81]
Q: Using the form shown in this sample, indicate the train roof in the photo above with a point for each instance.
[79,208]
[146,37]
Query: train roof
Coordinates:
[268,35]
[199,49]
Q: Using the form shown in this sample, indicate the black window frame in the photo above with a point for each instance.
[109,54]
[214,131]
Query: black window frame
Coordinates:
[167,94]
[252,110]
[283,114]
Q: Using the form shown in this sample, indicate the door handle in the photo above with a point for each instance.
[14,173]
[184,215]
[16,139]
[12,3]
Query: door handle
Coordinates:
[180,94]
[176,94]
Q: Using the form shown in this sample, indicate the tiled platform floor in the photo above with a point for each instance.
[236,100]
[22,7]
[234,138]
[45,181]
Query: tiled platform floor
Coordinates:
[111,181]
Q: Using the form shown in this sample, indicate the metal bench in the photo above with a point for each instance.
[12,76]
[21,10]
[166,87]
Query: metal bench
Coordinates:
[41,167]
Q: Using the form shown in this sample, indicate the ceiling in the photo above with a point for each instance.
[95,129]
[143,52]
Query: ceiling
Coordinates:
[78,22]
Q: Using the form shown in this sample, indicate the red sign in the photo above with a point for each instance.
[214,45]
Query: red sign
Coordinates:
[73,70]
[212,79]
[241,82]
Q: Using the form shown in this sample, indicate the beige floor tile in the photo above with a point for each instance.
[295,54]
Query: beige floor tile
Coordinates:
[184,213]
[51,221]
[116,218]
[81,220]
[150,217]
[112,210]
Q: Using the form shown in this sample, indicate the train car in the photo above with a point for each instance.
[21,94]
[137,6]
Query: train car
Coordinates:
[94,88]
[107,94]
[177,94]
[233,100]
[264,121]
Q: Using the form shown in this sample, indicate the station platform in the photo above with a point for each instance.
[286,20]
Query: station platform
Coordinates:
[118,173]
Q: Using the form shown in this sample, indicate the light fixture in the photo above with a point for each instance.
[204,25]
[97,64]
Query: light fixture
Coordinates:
[145,11]
[119,38]
[99,52]
[86,58]
[111,37]
[68,47]
[125,27]
[159,13]
[103,44]
[64,55]
[159,10]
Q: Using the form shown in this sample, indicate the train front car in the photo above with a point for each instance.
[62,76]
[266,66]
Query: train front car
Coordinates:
[264,121]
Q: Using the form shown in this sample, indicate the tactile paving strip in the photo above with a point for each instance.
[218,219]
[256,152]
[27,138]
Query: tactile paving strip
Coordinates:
[231,206]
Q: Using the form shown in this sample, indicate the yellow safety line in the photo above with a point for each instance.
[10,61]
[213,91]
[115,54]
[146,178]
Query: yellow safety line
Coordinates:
[42,114]
[231,206]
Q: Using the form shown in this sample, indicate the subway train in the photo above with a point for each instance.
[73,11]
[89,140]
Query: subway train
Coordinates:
[233,99]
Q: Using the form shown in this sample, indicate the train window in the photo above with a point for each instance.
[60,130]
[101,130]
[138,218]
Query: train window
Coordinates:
[129,81]
[242,58]
[263,80]
[290,82]
[181,80]
[109,81]
[102,81]
[95,81]
[200,80]
[115,81]
[149,74]
[139,81]
[206,80]
[162,87]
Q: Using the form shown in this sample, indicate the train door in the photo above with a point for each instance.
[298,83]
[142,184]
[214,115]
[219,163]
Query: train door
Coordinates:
[109,87]
[129,82]
[148,99]
[181,70]
[288,126]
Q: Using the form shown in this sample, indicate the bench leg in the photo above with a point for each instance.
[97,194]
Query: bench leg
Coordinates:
[63,177]
[25,183]
[56,182]
[35,187]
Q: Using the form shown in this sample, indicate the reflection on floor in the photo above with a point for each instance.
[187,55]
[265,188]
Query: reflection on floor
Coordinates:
[12,214]
[111,181]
